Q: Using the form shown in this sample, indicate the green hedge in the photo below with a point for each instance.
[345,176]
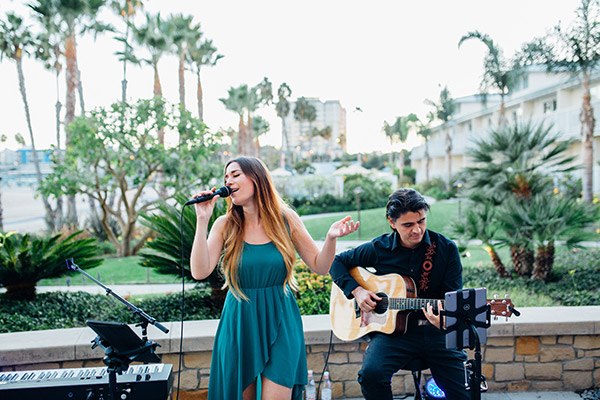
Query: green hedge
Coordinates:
[575,281]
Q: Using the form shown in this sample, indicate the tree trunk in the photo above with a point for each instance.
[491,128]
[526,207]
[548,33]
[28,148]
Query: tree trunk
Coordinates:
[427,160]
[285,145]
[38,173]
[182,80]
[401,166]
[71,76]
[448,159]
[544,261]
[199,95]
[241,136]
[497,262]
[502,116]
[58,213]
[249,148]
[522,259]
[586,117]
[80,91]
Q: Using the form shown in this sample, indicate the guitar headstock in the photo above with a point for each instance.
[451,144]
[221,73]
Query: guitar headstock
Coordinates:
[502,307]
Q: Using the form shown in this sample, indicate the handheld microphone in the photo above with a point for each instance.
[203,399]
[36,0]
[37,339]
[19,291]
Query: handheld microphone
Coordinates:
[224,191]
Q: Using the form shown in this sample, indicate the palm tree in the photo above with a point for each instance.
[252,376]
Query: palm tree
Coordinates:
[15,41]
[50,51]
[398,133]
[575,50]
[479,223]
[72,17]
[513,165]
[126,9]
[304,111]
[424,130]
[498,73]
[253,99]
[235,101]
[260,126]
[443,111]
[155,35]
[201,53]
[183,34]
[282,107]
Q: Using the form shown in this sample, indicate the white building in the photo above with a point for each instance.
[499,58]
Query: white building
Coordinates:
[540,96]
[329,113]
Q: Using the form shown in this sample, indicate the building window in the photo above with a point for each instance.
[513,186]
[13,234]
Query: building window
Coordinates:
[549,106]
[525,81]
[470,126]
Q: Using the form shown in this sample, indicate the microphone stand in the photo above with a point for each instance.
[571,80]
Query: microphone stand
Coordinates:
[118,361]
[146,319]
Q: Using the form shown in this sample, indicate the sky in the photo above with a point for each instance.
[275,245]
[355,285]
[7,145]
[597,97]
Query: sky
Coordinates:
[380,59]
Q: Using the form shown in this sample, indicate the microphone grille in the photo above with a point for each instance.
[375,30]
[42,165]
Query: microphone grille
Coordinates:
[224,191]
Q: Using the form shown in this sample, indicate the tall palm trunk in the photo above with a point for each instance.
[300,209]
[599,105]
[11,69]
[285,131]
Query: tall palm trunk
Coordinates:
[241,146]
[162,191]
[199,96]
[71,76]
[427,160]
[249,137]
[285,145]
[182,80]
[544,260]
[448,158]
[502,116]
[401,166]
[586,117]
[58,214]
[498,264]
[36,162]
[124,81]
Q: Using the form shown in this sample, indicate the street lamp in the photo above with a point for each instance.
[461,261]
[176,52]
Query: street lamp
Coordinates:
[357,191]
[459,184]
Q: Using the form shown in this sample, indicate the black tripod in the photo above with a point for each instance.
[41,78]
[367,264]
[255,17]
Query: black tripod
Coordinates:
[467,316]
[120,344]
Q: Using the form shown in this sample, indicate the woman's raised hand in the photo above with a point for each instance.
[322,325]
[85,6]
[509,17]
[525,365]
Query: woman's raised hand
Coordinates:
[205,209]
[342,227]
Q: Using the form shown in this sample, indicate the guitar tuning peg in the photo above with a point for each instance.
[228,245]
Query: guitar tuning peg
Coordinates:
[506,296]
[496,296]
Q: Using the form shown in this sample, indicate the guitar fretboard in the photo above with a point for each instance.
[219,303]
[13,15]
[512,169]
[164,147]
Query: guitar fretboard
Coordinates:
[400,303]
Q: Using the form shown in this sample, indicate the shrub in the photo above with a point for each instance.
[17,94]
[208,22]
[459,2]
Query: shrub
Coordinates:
[57,310]
[26,259]
[313,290]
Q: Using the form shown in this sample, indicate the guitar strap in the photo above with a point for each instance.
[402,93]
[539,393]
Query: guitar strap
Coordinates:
[426,268]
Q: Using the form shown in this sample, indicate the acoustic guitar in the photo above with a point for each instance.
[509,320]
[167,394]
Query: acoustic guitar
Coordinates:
[399,299]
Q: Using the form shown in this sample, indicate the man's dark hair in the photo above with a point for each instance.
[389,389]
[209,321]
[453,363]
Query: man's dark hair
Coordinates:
[405,200]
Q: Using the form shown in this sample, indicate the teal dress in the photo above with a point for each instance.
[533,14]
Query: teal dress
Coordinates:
[259,336]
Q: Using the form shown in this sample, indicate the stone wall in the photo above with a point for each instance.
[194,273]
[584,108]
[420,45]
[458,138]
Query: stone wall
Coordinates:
[546,349]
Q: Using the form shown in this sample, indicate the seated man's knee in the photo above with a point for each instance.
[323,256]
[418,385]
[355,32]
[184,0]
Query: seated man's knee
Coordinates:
[370,376]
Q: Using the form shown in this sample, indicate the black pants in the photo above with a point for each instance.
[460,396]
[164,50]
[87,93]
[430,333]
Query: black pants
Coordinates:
[387,354]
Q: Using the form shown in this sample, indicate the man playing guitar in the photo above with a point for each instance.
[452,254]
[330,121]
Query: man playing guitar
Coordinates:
[433,262]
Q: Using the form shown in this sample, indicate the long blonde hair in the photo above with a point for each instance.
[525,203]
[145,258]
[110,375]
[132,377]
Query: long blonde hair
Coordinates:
[271,211]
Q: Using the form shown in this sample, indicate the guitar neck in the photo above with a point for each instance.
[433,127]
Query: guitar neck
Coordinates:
[401,303]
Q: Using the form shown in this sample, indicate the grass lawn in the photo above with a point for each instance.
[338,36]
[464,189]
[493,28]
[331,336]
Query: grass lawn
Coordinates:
[374,223]
[115,271]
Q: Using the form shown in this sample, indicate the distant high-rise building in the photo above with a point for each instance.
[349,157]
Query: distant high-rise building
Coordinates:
[329,114]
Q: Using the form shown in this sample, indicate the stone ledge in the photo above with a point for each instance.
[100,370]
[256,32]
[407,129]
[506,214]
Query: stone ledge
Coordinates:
[64,345]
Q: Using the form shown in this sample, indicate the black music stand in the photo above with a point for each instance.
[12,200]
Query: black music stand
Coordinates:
[121,346]
[467,316]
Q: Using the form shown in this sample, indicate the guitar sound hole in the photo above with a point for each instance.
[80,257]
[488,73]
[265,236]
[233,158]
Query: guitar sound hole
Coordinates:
[382,305]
